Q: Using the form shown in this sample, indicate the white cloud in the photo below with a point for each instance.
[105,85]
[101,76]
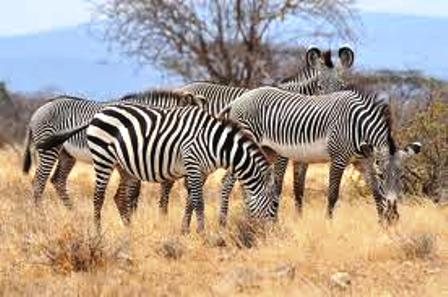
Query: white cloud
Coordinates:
[27,16]
[437,8]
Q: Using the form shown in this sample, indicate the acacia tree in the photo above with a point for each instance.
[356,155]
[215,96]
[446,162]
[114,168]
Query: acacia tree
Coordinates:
[227,41]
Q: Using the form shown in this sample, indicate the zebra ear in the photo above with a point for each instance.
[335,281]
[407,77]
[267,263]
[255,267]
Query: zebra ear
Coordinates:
[413,148]
[347,56]
[410,150]
[199,100]
[383,97]
[191,99]
[366,150]
[270,154]
[224,114]
[313,55]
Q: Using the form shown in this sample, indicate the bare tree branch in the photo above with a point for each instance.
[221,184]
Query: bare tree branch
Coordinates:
[223,40]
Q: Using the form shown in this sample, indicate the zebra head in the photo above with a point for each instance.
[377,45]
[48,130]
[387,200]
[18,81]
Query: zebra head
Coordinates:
[270,194]
[263,202]
[330,77]
[388,170]
[189,98]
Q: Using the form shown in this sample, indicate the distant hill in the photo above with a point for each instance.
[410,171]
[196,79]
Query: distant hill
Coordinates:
[73,60]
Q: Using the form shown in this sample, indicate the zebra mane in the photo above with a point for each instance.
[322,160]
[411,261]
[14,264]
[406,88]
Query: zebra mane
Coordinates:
[388,118]
[66,97]
[305,72]
[156,93]
[327,59]
[219,83]
[386,111]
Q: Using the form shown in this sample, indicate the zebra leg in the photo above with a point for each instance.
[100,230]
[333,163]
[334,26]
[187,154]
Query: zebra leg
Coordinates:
[195,200]
[300,170]
[227,185]
[102,175]
[280,169]
[134,186]
[47,159]
[121,198]
[365,166]
[336,171]
[60,176]
[165,189]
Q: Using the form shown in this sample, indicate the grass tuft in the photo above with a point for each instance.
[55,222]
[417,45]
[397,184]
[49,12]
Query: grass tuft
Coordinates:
[75,251]
[171,249]
[420,245]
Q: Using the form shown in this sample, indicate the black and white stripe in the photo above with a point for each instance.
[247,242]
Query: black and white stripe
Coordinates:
[163,145]
[66,112]
[331,128]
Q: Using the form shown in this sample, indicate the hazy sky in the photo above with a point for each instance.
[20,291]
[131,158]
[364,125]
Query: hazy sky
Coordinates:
[26,16]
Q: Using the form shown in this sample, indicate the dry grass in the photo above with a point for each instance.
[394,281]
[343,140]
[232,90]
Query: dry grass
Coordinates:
[53,252]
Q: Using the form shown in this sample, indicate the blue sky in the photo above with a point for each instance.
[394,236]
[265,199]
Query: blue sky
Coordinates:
[46,45]
[27,16]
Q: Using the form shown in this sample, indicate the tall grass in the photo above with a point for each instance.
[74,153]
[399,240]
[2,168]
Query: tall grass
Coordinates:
[52,251]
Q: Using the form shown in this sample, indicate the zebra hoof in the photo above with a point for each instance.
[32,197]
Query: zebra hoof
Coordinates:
[222,222]
[68,205]
[299,211]
[163,211]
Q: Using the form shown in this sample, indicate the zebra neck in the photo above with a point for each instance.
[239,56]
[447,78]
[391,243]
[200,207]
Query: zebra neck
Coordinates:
[234,150]
[371,126]
[304,82]
[248,163]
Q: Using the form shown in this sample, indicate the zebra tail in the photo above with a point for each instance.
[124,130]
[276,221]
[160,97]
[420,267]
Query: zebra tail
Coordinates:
[59,138]
[27,153]
[224,114]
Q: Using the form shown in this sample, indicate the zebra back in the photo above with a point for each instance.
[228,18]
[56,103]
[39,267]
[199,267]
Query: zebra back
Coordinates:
[344,119]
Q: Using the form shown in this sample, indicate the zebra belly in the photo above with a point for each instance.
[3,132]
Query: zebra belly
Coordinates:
[80,154]
[315,152]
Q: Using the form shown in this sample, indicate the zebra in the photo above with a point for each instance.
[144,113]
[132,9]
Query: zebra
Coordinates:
[156,145]
[320,75]
[337,127]
[65,112]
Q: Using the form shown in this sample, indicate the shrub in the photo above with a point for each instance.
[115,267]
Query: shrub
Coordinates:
[427,173]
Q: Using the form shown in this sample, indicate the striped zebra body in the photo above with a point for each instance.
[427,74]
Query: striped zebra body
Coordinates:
[314,129]
[163,145]
[66,112]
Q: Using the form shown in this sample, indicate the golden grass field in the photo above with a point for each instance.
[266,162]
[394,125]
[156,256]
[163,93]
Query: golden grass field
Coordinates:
[52,251]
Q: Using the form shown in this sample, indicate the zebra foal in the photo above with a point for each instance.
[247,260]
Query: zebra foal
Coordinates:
[163,145]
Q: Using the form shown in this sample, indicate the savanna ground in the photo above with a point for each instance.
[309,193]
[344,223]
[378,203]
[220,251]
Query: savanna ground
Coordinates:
[54,252]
